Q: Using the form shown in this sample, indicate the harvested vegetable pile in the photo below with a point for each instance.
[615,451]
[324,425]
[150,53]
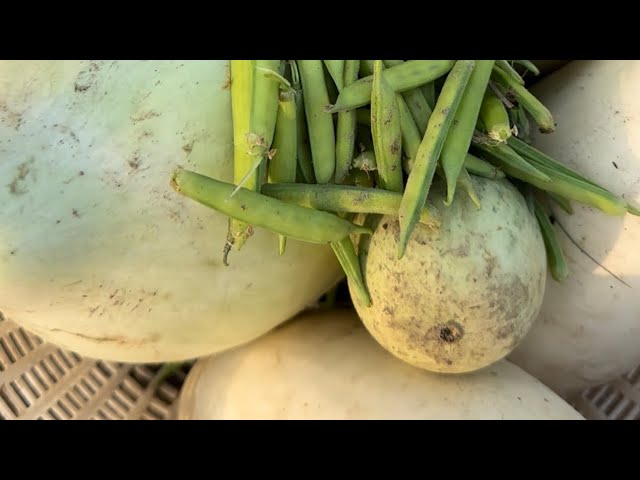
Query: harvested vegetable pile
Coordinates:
[421,176]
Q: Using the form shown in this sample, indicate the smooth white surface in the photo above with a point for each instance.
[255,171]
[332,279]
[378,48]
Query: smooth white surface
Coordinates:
[588,331]
[327,366]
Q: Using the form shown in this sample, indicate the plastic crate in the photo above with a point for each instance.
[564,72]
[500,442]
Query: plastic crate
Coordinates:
[41,381]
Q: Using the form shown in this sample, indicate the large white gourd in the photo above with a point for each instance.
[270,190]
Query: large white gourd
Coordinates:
[97,253]
[325,365]
[588,331]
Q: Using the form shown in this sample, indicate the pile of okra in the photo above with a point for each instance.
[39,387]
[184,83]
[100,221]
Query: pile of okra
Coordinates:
[319,143]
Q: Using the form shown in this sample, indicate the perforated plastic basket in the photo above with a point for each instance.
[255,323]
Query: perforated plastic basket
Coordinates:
[618,400]
[41,381]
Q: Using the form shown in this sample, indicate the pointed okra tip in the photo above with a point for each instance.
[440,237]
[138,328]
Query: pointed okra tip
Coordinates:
[404,241]
[450,194]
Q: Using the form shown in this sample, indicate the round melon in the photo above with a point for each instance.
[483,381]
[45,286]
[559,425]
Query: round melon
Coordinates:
[464,294]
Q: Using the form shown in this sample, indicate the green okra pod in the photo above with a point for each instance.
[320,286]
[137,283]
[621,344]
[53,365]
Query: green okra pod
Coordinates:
[264,109]
[555,257]
[482,168]
[633,209]
[386,133]
[494,117]
[282,167]
[284,162]
[411,136]
[464,181]
[287,219]
[416,102]
[507,68]
[346,128]
[533,154]
[512,163]
[540,114]
[576,186]
[336,70]
[564,183]
[407,76]
[241,72]
[305,163]
[529,65]
[348,259]
[458,139]
[522,123]
[344,198]
[421,176]
[578,190]
[562,202]
[319,123]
